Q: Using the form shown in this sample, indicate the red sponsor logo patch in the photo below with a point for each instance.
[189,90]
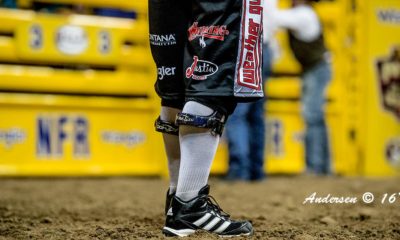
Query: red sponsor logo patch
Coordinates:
[249,74]
[250,59]
[200,69]
[211,32]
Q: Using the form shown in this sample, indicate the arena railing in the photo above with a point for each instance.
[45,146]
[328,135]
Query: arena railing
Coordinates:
[76,53]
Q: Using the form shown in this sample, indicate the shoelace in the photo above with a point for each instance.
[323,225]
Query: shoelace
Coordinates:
[215,207]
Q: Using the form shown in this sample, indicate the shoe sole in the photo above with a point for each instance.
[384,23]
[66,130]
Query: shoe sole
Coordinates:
[169,232]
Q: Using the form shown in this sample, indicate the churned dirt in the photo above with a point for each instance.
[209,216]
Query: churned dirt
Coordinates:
[132,208]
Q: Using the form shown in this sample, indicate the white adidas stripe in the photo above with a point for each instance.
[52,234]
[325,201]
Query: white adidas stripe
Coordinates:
[202,219]
[169,213]
[224,226]
[212,223]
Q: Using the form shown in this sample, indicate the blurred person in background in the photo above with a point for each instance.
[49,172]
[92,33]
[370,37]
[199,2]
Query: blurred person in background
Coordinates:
[208,55]
[8,3]
[245,129]
[307,43]
[54,8]
[113,12]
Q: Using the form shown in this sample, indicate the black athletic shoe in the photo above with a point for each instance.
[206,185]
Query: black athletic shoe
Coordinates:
[168,200]
[168,208]
[202,213]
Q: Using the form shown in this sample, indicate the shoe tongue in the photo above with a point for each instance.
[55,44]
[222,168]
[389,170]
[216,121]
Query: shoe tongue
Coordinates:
[205,190]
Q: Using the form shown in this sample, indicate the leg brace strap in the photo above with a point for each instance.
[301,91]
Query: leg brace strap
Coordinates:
[215,121]
[166,127]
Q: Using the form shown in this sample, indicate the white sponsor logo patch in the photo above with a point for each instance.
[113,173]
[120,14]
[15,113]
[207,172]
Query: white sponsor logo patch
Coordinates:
[71,40]
[165,71]
[163,39]
[201,69]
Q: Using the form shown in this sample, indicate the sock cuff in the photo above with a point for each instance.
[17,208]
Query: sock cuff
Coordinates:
[186,196]
[196,108]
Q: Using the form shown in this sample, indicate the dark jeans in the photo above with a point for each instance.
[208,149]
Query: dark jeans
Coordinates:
[315,82]
[245,131]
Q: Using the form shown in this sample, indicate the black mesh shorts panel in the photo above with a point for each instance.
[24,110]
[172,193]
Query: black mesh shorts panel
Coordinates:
[169,21]
[207,48]
[210,56]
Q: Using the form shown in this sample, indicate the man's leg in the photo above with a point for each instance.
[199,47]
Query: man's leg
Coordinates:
[168,20]
[166,125]
[192,207]
[172,149]
[213,71]
[198,147]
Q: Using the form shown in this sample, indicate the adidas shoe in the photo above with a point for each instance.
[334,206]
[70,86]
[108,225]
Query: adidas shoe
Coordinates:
[168,200]
[202,213]
[168,208]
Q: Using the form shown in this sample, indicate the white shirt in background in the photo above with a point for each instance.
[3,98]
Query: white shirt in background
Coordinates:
[269,25]
[302,20]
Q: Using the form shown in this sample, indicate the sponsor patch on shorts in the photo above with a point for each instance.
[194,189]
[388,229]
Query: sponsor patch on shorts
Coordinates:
[164,71]
[201,69]
[211,32]
[248,78]
[162,39]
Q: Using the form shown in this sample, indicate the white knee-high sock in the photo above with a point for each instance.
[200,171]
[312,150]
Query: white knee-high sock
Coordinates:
[172,149]
[198,147]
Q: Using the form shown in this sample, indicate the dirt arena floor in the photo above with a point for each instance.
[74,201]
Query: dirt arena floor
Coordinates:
[131,208]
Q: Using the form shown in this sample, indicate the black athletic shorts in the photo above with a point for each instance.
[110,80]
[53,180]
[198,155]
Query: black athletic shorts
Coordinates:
[207,49]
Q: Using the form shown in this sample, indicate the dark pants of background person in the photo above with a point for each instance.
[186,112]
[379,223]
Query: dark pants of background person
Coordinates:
[315,81]
[245,131]
[8,3]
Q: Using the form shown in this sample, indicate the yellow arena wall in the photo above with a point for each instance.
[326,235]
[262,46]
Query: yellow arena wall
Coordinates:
[86,106]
